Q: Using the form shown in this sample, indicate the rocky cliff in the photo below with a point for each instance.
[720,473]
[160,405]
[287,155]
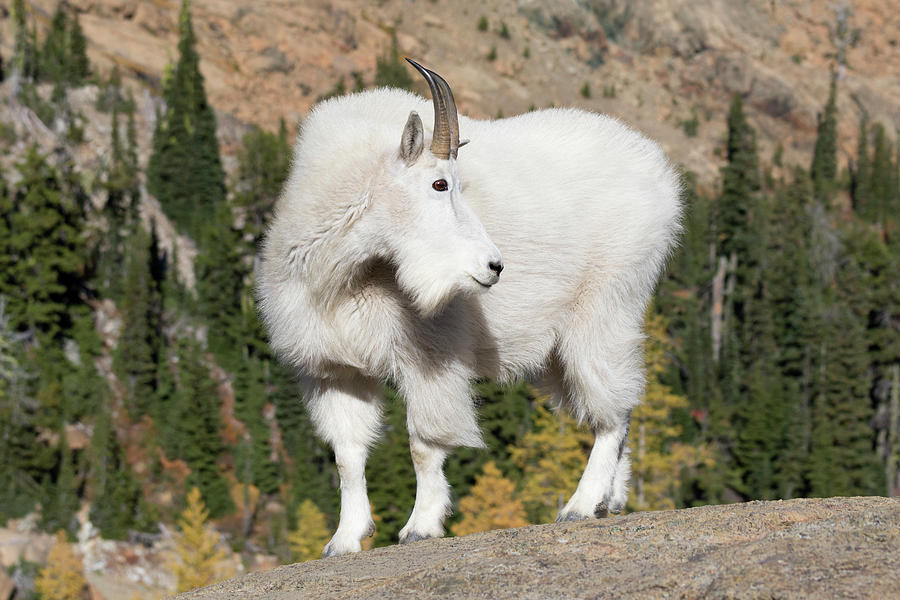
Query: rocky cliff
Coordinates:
[821,548]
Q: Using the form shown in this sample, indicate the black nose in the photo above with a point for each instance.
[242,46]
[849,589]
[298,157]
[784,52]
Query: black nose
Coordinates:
[496,267]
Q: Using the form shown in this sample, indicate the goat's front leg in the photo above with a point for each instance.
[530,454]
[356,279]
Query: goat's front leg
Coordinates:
[432,492]
[347,415]
[440,415]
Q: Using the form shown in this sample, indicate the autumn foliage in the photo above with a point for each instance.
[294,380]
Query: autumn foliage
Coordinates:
[492,504]
[198,556]
[62,578]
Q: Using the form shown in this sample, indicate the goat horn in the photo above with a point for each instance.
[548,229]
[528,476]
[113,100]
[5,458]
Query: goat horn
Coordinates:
[445,140]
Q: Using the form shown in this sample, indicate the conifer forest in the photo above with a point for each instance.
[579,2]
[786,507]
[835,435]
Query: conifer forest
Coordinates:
[773,348]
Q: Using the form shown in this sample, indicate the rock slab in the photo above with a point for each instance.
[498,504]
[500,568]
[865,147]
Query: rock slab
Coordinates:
[805,548]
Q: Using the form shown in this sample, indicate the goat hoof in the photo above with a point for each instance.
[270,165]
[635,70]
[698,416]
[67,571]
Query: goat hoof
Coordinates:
[601,511]
[371,531]
[414,536]
[616,507]
[571,516]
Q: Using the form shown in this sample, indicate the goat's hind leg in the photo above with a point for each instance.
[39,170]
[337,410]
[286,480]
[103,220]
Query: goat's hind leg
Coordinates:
[604,378]
[604,485]
[347,415]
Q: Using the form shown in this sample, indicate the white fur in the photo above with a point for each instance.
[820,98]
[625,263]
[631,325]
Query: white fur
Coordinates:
[369,274]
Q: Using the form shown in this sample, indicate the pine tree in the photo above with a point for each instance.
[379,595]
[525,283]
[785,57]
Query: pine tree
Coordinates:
[263,163]
[740,184]
[198,424]
[137,352]
[24,60]
[78,68]
[824,163]
[61,496]
[253,461]
[881,177]
[793,301]
[117,502]
[552,457]
[185,170]
[54,53]
[198,555]
[41,260]
[62,578]
[311,534]
[862,175]
[491,504]
[220,271]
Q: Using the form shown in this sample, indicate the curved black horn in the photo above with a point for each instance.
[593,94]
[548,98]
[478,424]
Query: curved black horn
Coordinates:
[445,140]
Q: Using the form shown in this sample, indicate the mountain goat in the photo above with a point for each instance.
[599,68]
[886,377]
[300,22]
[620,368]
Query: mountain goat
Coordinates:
[383,262]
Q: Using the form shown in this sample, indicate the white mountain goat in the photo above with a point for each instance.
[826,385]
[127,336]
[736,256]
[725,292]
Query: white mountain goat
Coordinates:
[383,262]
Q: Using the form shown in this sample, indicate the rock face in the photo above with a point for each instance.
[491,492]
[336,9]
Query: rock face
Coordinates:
[808,548]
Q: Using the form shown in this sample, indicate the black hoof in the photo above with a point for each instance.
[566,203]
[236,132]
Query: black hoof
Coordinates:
[601,511]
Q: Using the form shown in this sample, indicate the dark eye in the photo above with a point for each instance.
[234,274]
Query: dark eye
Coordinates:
[440,185]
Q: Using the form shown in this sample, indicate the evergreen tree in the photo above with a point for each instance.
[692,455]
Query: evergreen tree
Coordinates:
[862,175]
[824,163]
[54,53]
[221,291]
[793,302]
[881,178]
[78,68]
[120,211]
[740,184]
[254,462]
[137,352]
[185,170]
[24,60]
[491,504]
[41,257]
[263,164]
[197,424]
[117,501]
[60,500]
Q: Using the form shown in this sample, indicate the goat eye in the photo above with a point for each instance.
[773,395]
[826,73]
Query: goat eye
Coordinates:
[440,185]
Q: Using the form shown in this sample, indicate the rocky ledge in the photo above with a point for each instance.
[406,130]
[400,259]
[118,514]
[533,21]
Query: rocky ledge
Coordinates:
[807,548]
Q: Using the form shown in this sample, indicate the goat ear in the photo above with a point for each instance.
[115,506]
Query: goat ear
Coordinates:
[413,140]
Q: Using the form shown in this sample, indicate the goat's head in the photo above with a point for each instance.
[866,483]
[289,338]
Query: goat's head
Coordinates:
[435,240]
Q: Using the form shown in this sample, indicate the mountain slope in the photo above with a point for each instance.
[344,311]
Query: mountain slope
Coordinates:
[671,65]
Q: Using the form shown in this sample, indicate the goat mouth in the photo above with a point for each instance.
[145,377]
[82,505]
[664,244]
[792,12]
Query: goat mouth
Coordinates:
[486,286]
